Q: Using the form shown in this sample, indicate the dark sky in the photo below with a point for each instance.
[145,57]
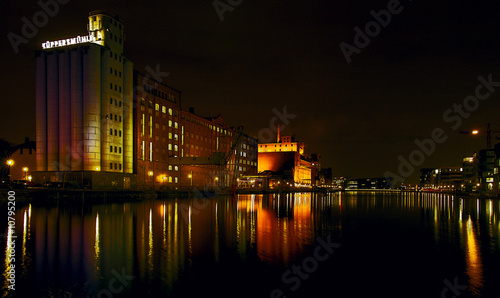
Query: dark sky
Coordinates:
[270,54]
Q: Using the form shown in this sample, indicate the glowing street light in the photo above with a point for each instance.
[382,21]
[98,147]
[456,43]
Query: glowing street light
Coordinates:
[190,176]
[475,132]
[10,163]
[25,170]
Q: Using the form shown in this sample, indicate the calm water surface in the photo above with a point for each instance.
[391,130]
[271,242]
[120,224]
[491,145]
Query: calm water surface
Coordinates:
[391,245]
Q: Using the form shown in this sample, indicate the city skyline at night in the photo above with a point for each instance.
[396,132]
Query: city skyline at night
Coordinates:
[264,60]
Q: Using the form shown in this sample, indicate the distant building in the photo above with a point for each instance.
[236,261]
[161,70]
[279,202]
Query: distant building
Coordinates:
[470,177]
[427,178]
[286,159]
[486,169]
[368,183]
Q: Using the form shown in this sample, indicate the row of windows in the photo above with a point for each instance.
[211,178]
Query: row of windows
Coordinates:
[117,118]
[117,166]
[119,73]
[117,88]
[118,103]
[157,107]
[118,40]
[116,151]
[119,58]
[119,132]
[210,126]
[159,93]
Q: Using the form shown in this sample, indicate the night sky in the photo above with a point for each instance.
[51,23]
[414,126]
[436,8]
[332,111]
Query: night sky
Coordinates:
[359,116]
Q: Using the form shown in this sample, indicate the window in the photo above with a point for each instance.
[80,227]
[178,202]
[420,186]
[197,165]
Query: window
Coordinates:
[116,89]
[120,133]
[111,86]
[170,179]
[176,168]
[176,148]
[169,123]
[170,112]
[115,166]
[115,102]
[120,103]
[176,137]
[176,180]
[115,132]
[110,54]
[111,131]
[119,166]
[120,118]
[169,135]
[111,116]
[143,150]
[116,119]
[157,107]
[169,146]
[176,125]
[115,72]
[150,151]
[111,70]
[150,126]
[111,149]
[120,74]
[120,89]
[143,120]
[116,149]
[110,165]
[170,167]
[110,101]
[164,109]
[119,149]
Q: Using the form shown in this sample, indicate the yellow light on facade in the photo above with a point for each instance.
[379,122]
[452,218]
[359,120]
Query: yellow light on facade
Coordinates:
[190,176]
[29,178]
[10,162]
[475,132]
[25,169]
[97,168]
[150,173]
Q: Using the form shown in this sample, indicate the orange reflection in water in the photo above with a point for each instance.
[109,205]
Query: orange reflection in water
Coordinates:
[282,237]
[474,265]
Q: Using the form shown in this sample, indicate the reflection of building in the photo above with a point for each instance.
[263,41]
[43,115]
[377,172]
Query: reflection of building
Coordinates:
[286,159]
[84,108]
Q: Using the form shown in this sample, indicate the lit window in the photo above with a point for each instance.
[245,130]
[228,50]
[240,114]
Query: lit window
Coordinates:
[150,126]
[170,179]
[150,151]
[164,109]
[176,125]
[157,107]
[176,148]
[170,135]
[143,150]
[169,123]
[176,180]
[169,146]
[176,168]
[142,124]
[170,112]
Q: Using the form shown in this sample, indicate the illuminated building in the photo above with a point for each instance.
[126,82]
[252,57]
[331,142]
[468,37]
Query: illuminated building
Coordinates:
[84,124]
[286,158]
[157,133]
[469,178]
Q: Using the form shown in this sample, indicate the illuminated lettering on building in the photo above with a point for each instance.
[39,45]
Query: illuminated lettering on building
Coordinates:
[68,41]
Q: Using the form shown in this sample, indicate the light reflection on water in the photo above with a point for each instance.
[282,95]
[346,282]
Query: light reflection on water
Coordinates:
[164,243]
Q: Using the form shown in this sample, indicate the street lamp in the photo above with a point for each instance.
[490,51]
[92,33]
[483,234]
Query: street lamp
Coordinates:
[25,170]
[10,163]
[190,176]
[488,133]
[150,173]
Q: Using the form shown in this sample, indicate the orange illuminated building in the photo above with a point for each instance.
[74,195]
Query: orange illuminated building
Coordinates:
[286,159]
